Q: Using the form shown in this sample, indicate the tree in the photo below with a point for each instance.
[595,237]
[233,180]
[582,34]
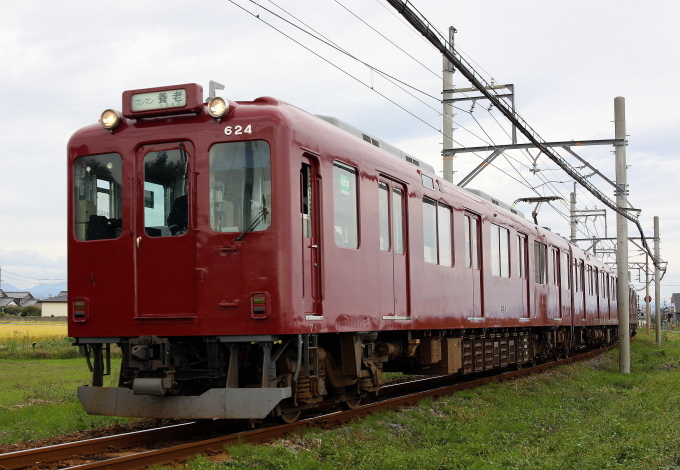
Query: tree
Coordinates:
[31,311]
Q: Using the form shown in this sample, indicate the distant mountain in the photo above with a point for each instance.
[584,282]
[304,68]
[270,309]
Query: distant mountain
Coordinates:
[45,291]
[10,288]
[42,291]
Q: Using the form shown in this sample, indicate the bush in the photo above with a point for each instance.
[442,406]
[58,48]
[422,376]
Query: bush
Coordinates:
[31,311]
[13,310]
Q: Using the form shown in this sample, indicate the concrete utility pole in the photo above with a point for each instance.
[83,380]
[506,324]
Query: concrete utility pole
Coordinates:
[622,236]
[647,313]
[657,284]
[572,212]
[447,123]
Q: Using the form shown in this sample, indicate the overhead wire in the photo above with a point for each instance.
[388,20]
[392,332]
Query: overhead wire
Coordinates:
[338,48]
[398,83]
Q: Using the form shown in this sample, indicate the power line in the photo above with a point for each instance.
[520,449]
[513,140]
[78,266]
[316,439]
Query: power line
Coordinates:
[32,278]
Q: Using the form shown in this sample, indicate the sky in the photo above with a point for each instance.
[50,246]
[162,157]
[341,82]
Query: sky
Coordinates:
[567,60]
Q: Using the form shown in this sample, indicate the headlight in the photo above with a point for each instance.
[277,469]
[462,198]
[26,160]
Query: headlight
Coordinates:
[110,119]
[217,107]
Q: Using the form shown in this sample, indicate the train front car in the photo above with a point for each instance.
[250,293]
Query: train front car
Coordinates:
[180,219]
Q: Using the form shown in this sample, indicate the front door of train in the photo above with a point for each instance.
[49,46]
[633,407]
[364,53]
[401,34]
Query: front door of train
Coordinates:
[393,260]
[165,238]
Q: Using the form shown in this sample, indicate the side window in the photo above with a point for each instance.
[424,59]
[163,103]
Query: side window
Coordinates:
[576,277]
[540,267]
[555,266]
[500,253]
[437,232]
[345,199]
[471,227]
[398,220]
[522,256]
[430,230]
[384,216]
[98,197]
[306,200]
[565,270]
[444,232]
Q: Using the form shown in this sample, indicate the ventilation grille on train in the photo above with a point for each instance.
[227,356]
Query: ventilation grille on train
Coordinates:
[370,140]
[381,144]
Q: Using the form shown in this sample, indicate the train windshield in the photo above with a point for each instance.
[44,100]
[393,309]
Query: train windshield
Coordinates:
[98,197]
[240,186]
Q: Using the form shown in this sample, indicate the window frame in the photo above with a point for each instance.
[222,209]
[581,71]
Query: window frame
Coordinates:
[440,232]
[499,235]
[353,241]
[540,263]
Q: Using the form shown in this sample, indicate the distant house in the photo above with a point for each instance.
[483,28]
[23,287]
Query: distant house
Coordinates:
[24,299]
[7,302]
[55,306]
[675,299]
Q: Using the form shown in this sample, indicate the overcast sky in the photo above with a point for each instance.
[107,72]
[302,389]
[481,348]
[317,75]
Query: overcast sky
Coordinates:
[568,61]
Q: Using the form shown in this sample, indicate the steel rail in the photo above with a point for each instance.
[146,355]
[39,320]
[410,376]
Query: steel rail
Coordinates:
[217,445]
[72,450]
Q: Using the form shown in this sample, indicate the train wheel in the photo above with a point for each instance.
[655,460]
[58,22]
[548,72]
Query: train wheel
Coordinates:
[352,404]
[289,416]
[287,413]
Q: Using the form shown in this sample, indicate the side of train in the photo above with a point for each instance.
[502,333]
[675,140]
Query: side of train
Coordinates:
[251,259]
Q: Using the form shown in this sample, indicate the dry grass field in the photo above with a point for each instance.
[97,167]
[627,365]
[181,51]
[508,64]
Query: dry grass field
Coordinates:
[31,331]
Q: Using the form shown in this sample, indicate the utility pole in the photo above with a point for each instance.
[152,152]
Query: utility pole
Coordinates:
[447,123]
[657,284]
[622,236]
[572,212]
[647,293]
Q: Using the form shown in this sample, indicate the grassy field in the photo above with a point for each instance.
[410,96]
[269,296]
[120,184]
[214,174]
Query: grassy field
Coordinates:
[38,399]
[582,416]
[40,373]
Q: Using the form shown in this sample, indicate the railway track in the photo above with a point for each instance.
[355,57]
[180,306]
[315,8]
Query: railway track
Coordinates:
[182,441]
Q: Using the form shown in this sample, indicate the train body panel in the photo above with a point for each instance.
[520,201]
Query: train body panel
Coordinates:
[274,236]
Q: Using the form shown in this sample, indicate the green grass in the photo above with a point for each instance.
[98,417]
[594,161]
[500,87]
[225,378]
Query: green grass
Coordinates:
[582,416]
[48,348]
[38,399]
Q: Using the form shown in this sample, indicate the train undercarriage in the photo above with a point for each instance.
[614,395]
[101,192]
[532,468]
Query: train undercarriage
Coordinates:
[256,377]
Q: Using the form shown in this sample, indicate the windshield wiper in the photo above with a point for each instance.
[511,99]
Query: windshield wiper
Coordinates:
[263,213]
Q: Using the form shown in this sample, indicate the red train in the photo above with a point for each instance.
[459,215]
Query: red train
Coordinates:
[251,259]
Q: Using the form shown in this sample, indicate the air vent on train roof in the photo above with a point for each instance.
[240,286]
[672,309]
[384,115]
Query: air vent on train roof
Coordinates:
[377,142]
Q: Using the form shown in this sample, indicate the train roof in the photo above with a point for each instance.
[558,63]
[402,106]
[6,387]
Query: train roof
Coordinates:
[356,132]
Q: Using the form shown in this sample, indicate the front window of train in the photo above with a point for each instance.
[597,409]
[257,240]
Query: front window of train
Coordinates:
[240,186]
[98,197]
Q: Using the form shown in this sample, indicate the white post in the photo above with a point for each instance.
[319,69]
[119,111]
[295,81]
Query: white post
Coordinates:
[447,119]
[657,284]
[572,212]
[622,237]
[647,312]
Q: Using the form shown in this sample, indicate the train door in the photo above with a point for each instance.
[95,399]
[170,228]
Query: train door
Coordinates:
[579,293]
[394,298]
[473,263]
[565,286]
[596,293]
[311,243]
[523,265]
[165,235]
[554,295]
